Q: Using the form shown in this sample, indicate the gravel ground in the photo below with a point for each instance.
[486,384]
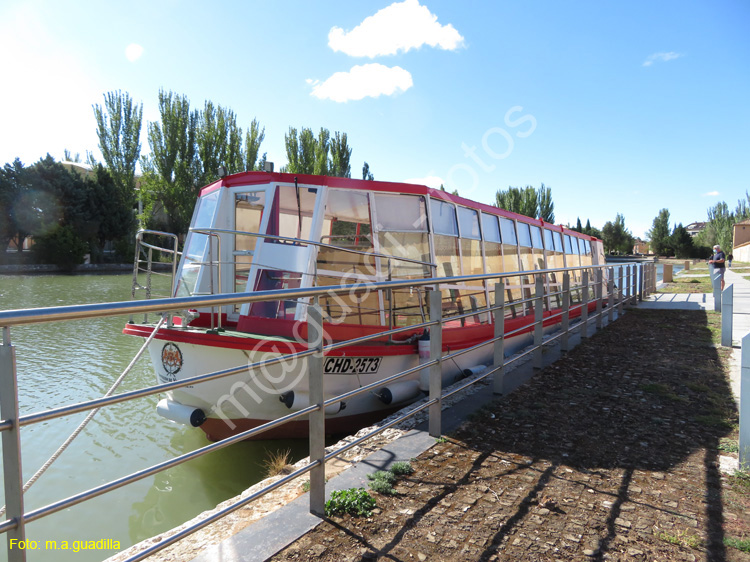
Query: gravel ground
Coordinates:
[611,453]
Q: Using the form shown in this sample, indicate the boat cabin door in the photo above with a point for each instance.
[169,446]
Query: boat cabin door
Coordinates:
[281,260]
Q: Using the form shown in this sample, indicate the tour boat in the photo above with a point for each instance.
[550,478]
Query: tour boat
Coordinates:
[260,231]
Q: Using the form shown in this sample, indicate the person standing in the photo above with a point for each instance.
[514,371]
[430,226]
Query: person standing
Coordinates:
[730,257]
[718,260]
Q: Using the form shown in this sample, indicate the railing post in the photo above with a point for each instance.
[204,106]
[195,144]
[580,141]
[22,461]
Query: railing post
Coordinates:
[585,304]
[727,314]
[538,319]
[745,404]
[565,326]
[13,475]
[623,290]
[716,285]
[498,381]
[436,371]
[599,292]
[318,417]
[633,285]
[611,295]
[641,278]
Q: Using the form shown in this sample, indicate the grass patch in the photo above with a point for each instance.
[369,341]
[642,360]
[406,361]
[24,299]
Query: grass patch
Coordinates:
[354,501]
[663,390]
[382,481]
[402,468]
[714,420]
[681,538]
[729,445]
[277,462]
[688,285]
[739,544]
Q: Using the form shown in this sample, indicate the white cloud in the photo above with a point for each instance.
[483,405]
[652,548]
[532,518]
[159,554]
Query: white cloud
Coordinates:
[402,26]
[711,194]
[661,57]
[363,81]
[133,52]
[430,181]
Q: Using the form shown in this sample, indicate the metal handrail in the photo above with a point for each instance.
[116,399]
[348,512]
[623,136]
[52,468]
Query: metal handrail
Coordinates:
[30,316]
[300,242]
[10,318]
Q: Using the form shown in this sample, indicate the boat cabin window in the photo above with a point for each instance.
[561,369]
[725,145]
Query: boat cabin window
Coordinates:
[555,260]
[468,220]
[508,228]
[473,295]
[493,249]
[248,213]
[524,235]
[196,252]
[402,233]
[291,214]
[348,258]
[558,242]
[443,218]
[346,225]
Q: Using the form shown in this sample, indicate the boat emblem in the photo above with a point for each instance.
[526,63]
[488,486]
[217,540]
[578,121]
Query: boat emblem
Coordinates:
[171,359]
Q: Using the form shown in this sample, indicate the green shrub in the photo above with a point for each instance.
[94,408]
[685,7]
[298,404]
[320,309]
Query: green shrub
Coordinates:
[355,501]
[61,247]
[401,468]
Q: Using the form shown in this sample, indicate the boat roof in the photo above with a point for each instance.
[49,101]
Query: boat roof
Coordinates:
[261,178]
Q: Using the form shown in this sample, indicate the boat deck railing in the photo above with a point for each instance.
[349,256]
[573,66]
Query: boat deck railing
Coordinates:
[634,283]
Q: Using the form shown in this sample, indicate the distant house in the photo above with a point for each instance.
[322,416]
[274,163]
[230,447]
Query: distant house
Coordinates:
[741,234]
[640,247]
[695,228]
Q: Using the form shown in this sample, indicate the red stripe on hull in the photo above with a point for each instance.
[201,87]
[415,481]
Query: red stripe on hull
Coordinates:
[218,429]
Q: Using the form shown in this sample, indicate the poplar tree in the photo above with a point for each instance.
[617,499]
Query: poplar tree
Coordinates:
[340,156]
[118,125]
[253,140]
[169,185]
[659,235]
[366,173]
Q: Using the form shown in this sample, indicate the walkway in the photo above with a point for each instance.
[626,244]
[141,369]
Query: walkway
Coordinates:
[618,468]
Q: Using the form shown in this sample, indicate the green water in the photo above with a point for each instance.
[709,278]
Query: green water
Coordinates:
[70,362]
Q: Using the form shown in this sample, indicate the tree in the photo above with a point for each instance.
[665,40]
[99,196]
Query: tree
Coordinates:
[218,142]
[590,230]
[119,130]
[366,173]
[719,228]
[616,237]
[309,155]
[19,213]
[253,140]
[522,201]
[340,156]
[187,148]
[659,235]
[546,206]
[579,227]
[169,186]
[681,242]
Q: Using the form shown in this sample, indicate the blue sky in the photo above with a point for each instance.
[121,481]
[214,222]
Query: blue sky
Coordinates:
[619,107]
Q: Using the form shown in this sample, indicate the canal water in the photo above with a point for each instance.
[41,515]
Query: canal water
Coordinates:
[70,362]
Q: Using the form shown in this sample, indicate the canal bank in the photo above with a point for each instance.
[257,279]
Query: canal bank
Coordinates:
[577,453]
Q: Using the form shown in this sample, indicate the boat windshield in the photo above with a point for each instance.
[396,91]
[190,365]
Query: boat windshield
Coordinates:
[195,247]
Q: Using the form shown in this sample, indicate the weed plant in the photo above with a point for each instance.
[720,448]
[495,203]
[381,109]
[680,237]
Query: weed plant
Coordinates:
[355,501]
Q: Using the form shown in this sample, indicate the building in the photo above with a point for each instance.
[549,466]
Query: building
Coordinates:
[640,247]
[695,228]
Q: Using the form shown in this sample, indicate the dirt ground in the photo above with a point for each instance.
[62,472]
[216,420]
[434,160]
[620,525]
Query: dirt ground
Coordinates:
[611,453]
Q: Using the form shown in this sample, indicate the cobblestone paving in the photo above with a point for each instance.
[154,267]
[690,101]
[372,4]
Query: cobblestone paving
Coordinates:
[609,454]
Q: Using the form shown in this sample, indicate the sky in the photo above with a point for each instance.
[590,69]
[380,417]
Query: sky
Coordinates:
[618,107]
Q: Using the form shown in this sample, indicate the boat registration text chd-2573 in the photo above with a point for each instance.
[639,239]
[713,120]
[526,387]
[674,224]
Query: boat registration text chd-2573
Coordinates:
[351,365]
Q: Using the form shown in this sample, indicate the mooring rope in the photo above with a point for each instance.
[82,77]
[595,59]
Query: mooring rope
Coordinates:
[91,414]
